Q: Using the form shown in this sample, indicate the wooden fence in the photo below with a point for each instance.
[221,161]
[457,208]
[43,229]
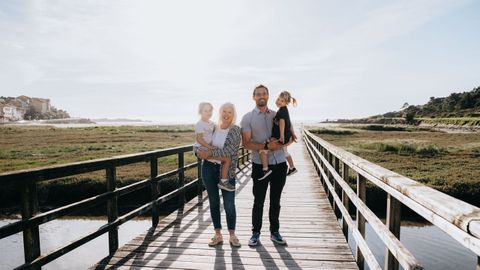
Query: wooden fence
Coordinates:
[458,219]
[27,181]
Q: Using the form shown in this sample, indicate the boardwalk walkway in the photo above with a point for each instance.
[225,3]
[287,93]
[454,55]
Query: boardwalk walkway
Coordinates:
[315,240]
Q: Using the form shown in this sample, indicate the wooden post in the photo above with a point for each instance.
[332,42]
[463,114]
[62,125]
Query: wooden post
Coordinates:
[31,236]
[337,164]
[181,177]
[345,201]
[327,172]
[361,193]
[112,210]
[238,161]
[393,223]
[200,180]
[243,156]
[154,189]
[330,194]
[336,187]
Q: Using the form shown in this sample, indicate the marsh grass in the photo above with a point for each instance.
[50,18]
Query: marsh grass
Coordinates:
[332,131]
[404,148]
[449,162]
[458,121]
[25,147]
[378,127]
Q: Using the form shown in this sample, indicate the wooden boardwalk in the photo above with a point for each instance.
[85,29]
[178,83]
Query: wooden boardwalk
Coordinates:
[315,240]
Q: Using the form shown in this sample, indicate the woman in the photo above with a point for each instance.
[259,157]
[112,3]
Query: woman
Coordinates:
[226,140]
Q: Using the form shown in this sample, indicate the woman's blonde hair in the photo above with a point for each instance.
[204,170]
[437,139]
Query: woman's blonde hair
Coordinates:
[202,105]
[288,98]
[224,106]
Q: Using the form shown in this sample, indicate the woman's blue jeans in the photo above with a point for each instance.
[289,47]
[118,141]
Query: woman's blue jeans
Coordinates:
[211,178]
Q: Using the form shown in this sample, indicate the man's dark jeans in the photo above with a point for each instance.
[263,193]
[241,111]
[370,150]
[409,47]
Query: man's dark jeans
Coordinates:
[277,182]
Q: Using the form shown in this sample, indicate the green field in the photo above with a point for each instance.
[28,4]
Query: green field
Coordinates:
[24,147]
[457,121]
[449,162]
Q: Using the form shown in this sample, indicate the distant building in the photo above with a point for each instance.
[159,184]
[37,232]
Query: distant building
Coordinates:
[40,104]
[10,113]
[24,100]
[14,109]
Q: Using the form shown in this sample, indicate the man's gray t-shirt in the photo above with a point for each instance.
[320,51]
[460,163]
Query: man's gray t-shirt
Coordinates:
[260,125]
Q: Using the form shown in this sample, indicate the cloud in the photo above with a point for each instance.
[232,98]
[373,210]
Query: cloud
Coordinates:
[185,52]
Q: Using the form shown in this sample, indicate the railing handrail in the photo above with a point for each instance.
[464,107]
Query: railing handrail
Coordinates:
[457,212]
[74,168]
[27,180]
[458,219]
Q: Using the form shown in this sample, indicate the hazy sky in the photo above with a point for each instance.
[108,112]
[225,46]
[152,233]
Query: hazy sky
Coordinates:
[157,60]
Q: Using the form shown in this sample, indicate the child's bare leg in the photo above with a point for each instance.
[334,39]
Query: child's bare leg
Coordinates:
[288,157]
[224,183]
[264,160]
[290,162]
[226,162]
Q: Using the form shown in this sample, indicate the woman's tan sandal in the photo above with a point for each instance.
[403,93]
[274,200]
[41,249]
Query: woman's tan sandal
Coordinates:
[216,240]
[234,241]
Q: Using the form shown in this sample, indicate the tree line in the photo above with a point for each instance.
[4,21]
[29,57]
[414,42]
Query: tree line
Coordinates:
[466,104]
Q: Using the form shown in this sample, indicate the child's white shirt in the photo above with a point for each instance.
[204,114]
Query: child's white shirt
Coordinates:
[205,128]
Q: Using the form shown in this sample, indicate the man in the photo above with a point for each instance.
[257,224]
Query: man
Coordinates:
[256,131]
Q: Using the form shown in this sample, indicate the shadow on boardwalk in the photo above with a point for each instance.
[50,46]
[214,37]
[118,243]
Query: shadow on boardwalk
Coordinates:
[180,241]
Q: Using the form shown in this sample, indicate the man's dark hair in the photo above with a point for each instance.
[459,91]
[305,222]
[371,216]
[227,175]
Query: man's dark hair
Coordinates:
[258,87]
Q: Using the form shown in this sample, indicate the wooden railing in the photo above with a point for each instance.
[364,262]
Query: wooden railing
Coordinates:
[458,219]
[27,181]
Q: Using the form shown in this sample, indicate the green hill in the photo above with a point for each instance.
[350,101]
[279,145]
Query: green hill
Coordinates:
[466,104]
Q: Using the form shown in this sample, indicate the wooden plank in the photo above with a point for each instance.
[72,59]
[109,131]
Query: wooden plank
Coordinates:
[192,261]
[154,189]
[112,209]
[345,200]
[45,217]
[200,181]
[29,223]
[31,236]
[186,254]
[457,212]
[59,171]
[359,238]
[267,248]
[181,178]
[393,223]
[315,240]
[405,258]
[362,195]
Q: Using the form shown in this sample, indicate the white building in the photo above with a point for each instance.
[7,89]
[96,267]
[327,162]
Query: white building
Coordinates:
[10,113]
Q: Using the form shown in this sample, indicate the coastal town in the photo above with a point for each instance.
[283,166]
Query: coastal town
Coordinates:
[28,108]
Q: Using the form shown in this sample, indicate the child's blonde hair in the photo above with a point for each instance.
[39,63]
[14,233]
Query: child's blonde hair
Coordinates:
[202,105]
[288,98]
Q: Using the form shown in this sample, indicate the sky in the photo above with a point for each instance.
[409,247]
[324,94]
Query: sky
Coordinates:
[156,60]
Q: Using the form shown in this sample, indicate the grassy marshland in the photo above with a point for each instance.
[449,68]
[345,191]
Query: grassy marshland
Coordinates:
[24,147]
[449,162]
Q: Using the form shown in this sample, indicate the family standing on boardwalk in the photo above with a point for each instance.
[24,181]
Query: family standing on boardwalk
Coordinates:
[267,134]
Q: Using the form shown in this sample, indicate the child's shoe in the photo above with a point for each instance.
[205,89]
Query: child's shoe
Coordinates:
[265,174]
[225,185]
[292,171]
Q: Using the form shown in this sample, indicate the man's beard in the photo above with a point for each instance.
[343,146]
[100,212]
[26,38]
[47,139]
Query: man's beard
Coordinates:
[262,102]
